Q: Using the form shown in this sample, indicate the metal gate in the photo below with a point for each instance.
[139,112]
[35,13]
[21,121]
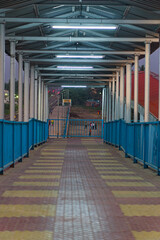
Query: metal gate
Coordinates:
[75,128]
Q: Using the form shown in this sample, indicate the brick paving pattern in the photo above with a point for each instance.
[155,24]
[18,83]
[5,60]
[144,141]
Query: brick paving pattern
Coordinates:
[79,189]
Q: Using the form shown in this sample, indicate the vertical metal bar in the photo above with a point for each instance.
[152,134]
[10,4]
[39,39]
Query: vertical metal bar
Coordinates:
[42,94]
[147,82]
[110,112]
[136,66]
[117,96]
[122,93]
[39,98]
[2,68]
[35,99]
[20,88]
[107,103]
[26,91]
[113,99]
[12,80]
[128,93]
[32,92]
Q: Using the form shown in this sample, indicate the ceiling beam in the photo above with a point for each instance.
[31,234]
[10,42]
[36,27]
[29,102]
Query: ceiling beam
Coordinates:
[82,39]
[85,21]
[80,80]
[83,52]
[74,70]
[57,60]
[76,75]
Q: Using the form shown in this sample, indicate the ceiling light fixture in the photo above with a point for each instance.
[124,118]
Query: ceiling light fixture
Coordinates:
[84,27]
[73,86]
[78,56]
[73,67]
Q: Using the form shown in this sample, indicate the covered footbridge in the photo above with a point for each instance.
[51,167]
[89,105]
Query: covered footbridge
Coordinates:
[77,186]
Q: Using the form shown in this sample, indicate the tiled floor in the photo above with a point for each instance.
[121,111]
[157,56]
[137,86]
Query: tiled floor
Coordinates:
[79,189]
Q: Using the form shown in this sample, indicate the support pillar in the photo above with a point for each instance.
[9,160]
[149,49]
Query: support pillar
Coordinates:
[122,93]
[107,103]
[110,103]
[136,67]
[2,69]
[113,99]
[39,98]
[26,91]
[103,103]
[159,84]
[32,92]
[42,97]
[35,95]
[47,107]
[12,80]
[117,97]
[128,92]
[147,82]
[20,88]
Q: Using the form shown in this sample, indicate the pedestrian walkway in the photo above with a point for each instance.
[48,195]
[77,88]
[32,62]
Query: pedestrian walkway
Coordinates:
[79,189]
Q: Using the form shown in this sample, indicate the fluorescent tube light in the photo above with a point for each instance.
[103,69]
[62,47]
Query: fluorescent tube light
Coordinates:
[73,67]
[84,27]
[78,56]
[73,86]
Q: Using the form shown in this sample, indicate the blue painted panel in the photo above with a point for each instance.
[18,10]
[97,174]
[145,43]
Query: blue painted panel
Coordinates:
[130,139]
[24,138]
[151,144]
[1,144]
[8,143]
[139,141]
[17,140]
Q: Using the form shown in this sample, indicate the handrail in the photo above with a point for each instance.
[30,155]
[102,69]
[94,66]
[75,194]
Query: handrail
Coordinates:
[66,125]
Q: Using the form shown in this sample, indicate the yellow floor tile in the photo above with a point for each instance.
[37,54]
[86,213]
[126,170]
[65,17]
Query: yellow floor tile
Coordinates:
[43,171]
[45,164]
[101,153]
[147,210]
[112,168]
[146,235]
[34,210]
[106,164]
[26,235]
[136,194]
[38,184]
[103,161]
[30,193]
[50,161]
[55,153]
[122,177]
[129,184]
[97,149]
[57,157]
[39,176]
[43,167]
[116,172]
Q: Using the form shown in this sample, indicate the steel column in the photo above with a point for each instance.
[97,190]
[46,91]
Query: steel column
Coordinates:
[2,69]
[26,91]
[12,80]
[42,95]
[113,99]
[117,97]
[39,98]
[122,93]
[107,103]
[110,103]
[136,67]
[103,93]
[159,83]
[20,88]
[47,107]
[147,82]
[128,93]
[35,96]
[32,92]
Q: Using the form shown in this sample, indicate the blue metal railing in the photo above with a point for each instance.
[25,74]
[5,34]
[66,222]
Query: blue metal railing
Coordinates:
[67,123]
[140,141]
[17,138]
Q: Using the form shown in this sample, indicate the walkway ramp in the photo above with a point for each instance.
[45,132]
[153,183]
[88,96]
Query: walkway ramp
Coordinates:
[78,189]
